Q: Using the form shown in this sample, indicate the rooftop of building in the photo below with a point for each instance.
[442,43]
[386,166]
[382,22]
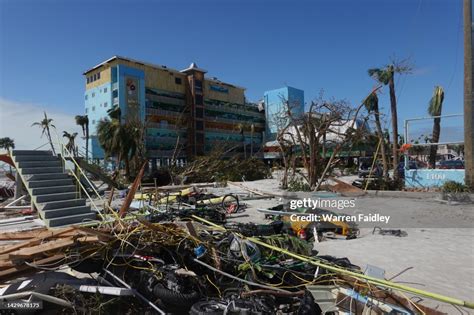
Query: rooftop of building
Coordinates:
[193,66]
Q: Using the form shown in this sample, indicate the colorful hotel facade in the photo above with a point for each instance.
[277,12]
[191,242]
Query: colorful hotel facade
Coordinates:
[203,112]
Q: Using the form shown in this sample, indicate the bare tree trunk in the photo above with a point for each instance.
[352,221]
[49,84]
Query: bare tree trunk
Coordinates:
[382,144]
[87,142]
[393,107]
[435,139]
[50,140]
[284,180]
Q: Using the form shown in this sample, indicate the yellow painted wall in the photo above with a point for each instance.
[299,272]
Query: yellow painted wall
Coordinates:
[157,78]
[105,77]
[164,79]
[235,95]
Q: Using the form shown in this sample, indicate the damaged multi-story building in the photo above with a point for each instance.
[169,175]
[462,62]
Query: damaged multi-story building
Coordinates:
[185,107]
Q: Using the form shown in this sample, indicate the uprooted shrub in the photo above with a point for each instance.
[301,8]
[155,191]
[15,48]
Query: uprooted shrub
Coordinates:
[298,184]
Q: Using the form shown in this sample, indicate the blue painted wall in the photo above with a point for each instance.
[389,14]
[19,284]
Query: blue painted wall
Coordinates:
[100,99]
[122,73]
[274,106]
[97,101]
[424,178]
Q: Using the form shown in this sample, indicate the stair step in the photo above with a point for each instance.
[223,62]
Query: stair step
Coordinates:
[46,176]
[50,183]
[29,164]
[41,170]
[62,212]
[31,158]
[55,197]
[53,190]
[72,219]
[31,152]
[51,205]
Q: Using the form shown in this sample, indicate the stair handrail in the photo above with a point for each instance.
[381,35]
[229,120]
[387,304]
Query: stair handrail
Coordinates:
[64,149]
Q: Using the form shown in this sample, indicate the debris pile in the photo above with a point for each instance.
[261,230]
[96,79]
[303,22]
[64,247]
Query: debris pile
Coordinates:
[186,267]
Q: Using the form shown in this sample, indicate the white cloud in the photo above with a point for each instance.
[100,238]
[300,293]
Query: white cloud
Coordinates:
[16,119]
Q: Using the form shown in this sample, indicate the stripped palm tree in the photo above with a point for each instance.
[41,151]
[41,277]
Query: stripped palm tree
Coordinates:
[71,143]
[386,76]
[372,106]
[46,124]
[434,109]
[83,121]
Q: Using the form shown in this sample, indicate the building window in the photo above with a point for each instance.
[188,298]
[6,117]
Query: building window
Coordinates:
[88,80]
[105,90]
[105,104]
[115,93]
[98,76]
[199,125]
[198,100]
[86,97]
[86,110]
[93,108]
[199,137]
[198,85]
[93,94]
[199,113]
[93,122]
[177,80]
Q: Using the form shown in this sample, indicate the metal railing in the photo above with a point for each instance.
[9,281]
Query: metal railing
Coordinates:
[66,153]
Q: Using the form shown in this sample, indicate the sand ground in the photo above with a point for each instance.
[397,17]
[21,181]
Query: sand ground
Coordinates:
[439,248]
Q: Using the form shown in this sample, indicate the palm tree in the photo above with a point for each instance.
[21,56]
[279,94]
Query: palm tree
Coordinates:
[117,139]
[7,143]
[71,144]
[434,109]
[83,121]
[386,76]
[46,124]
[372,106]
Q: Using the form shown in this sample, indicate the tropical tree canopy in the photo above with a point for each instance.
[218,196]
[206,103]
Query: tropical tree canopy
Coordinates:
[117,139]
[7,143]
[82,121]
[45,124]
[372,102]
[436,102]
[382,75]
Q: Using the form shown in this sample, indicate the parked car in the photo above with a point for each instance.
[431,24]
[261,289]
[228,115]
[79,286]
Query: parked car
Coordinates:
[365,165]
[451,164]
[412,165]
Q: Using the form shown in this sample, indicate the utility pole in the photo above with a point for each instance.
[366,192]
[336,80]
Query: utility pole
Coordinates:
[468,96]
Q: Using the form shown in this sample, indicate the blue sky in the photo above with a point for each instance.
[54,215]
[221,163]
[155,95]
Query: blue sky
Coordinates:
[312,45]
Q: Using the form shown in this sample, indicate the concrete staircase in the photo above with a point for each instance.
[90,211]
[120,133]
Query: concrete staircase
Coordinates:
[52,190]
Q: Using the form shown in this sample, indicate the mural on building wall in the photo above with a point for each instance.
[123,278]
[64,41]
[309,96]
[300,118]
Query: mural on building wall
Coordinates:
[132,98]
[219,88]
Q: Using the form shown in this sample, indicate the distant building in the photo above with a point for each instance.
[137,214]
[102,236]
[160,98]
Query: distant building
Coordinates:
[274,107]
[204,112]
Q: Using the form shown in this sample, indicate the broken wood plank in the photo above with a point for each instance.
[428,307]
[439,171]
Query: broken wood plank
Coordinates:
[21,235]
[23,267]
[42,248]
